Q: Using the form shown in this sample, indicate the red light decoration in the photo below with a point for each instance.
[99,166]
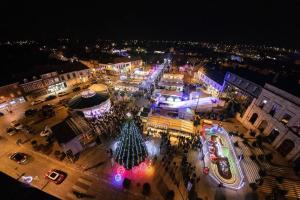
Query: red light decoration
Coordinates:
[205,170]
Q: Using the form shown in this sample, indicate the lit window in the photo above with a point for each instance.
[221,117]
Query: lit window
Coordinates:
[286,118]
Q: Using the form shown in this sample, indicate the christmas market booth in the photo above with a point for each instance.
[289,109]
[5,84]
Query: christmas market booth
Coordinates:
[157,124]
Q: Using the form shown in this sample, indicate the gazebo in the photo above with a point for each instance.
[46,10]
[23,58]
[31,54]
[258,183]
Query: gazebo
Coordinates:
[90,103]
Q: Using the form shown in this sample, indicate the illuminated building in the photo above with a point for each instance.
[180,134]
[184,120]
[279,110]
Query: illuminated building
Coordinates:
[90,103]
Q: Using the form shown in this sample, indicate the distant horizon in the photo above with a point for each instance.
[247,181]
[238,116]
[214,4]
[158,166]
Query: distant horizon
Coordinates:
[89,40]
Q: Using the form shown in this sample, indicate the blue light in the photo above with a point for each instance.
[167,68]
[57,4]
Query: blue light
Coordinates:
[118,177]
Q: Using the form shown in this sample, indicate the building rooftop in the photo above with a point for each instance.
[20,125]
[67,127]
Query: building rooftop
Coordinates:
[166,83]
[168,92]
[215,75]
[68,129]
[289,83]
[18,63]
[87,99]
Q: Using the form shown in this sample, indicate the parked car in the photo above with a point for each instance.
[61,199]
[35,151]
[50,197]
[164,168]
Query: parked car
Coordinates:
[60,94]
[30,112]
[75,89]
[1,114]
[11,131]
[16,125]
[20,158]
[55,175]
[38,101]
[50,97]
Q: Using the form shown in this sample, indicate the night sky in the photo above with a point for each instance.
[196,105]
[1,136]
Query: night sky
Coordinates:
[246,21]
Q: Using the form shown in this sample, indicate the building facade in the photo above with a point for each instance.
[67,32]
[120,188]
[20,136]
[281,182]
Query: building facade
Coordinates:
[10,95]
[121,65]
[241,89]
[75,77]
[213,81]
[47,84]
[276,115]
[171,82]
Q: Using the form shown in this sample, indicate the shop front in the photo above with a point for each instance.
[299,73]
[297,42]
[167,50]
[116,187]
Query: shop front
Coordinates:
[173,127]
[57,87]
[12,102]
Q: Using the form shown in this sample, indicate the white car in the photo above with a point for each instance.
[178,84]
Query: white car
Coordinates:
[45,133]
[60,94]
[35,102]
[16,125]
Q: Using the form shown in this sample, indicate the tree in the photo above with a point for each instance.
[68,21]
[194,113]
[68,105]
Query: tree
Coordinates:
[131,150]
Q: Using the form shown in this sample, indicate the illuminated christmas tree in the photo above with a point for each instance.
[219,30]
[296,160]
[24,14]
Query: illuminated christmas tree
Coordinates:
[131,150]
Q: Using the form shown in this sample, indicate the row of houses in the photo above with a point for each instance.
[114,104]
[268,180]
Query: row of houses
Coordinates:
[265,108]
[55,78]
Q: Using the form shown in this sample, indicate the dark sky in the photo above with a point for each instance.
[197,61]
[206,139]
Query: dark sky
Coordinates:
[246,21]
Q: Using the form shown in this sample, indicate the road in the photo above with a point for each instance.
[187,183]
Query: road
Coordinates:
[40,163]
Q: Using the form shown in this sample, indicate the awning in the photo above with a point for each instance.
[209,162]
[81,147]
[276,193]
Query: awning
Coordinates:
[171,123]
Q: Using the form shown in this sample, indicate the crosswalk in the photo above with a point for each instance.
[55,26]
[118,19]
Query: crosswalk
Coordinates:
[82,185]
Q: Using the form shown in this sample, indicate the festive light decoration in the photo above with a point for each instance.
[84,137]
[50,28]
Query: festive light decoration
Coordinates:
[120,170]
[131,150]
[118,177]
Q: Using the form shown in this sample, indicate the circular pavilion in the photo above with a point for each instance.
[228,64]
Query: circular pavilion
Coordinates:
[90,103]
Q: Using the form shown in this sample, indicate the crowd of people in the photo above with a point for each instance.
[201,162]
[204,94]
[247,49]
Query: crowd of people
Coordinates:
[109,124]
[188,171]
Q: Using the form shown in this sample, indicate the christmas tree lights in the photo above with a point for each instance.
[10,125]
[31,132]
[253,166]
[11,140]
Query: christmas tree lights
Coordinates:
[131,149]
